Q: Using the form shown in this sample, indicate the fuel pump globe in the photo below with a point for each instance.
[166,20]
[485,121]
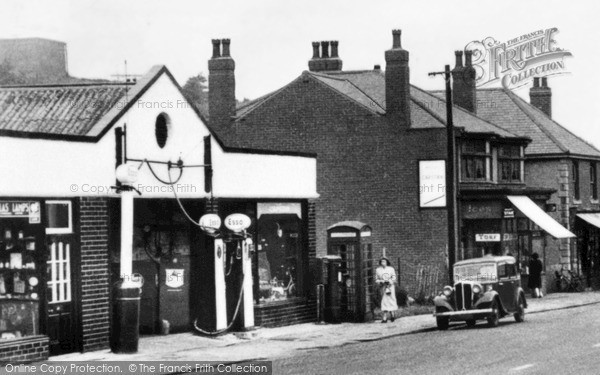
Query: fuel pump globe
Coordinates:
[127,173]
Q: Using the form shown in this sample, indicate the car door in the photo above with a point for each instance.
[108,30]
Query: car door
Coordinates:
[506,284]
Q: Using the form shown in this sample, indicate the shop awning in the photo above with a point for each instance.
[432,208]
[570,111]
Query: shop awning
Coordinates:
[538,216]
[593,219]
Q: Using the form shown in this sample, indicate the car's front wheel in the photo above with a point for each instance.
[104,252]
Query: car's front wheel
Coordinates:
[520,313]
[494,318]
[442,323]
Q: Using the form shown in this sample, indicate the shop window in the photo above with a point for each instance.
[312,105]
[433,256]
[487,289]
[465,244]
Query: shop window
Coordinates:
[510,163]
[59,217]
[475,160]
[575,178]
[161,129]
[279,251]
[594,181]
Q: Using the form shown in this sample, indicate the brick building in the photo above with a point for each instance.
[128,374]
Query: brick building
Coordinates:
[558,159]
[60,218]
[379,139]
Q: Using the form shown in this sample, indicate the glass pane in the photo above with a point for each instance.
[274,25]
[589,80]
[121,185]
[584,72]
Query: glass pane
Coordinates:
[57,215]
[480,168]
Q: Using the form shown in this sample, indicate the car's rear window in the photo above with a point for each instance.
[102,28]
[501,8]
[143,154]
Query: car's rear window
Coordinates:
[481,272]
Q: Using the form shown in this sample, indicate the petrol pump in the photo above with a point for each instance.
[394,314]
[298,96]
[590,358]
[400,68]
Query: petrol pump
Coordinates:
[237,238]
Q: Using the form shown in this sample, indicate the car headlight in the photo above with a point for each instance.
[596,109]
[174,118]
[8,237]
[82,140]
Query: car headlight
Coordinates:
[447,290]
[476,289]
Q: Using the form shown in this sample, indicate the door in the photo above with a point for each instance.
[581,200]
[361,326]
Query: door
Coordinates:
[61,314]
[507,284]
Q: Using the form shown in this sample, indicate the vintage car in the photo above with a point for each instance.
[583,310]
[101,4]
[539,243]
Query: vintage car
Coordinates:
[484,288]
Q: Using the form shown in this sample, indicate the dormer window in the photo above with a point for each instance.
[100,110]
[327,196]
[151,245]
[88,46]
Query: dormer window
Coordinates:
[475,160]
[510,163]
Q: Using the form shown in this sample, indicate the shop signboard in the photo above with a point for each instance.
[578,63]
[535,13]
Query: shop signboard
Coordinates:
[23,209]
[487,237]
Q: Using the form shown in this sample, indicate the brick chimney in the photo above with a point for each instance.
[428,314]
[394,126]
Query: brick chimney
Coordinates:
[221,84]
[540,96]
[464,92]
[321,60]
[397,80]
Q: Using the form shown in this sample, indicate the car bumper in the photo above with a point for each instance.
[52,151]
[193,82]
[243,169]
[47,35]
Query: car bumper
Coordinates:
[463,313]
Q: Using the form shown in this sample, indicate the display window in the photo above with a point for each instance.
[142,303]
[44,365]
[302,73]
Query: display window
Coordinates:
[20,278]
[279,250]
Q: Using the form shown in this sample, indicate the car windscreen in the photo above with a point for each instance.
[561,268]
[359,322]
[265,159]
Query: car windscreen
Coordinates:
[480,272]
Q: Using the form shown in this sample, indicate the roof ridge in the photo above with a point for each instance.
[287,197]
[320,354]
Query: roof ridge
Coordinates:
[469,113]
[534,108]
[353,71]
[65,85]
[518,101]
[347,96]
[263,99]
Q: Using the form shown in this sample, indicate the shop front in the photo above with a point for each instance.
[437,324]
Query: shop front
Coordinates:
[38,264]
[507,225]
[587,228]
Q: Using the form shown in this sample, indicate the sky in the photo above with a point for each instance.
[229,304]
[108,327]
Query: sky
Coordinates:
[271,39]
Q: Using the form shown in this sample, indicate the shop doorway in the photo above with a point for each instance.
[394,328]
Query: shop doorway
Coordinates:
[60,309]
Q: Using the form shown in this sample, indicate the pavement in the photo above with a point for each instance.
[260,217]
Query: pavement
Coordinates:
[271,343]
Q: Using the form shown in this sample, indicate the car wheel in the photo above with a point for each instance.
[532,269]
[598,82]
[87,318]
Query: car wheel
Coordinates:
[520,313]
[494,318]
[471,322]
[442,323]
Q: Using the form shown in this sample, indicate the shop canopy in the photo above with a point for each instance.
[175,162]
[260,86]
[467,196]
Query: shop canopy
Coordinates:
[538,216]
[593,219]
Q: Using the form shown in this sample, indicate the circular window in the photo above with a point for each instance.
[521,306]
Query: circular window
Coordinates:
[161,130]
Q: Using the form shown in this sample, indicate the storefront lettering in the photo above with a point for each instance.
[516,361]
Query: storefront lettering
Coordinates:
[487,237]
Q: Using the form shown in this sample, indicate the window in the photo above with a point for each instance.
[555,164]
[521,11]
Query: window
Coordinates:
[161,130]
[594,180]
[475,160]
[59,217]
[575,178]
[510,163]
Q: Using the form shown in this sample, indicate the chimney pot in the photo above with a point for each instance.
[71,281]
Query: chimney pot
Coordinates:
[459,55]
[377,67]
[468,58]
[325,50]
[544,81]
[216,48]
[536,81]
[396,38]
[225,43]
[315,46]
[334,49]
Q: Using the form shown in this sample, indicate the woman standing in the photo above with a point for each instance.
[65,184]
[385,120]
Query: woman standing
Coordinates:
[385,277]
[535,275]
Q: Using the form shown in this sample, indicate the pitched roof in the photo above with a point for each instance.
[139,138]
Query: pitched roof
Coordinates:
[57,109]
[548,137]
[367,89]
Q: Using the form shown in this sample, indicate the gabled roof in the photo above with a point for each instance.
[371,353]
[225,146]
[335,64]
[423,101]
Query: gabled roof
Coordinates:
[548,137]
[366,88]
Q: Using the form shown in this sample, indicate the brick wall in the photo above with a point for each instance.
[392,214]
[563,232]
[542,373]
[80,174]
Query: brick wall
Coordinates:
[94,273]
[367,168]
[30,349]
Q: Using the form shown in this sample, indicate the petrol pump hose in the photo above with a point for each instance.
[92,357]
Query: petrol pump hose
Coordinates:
[235,314]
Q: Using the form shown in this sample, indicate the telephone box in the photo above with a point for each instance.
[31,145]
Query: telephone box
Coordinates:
[351,241]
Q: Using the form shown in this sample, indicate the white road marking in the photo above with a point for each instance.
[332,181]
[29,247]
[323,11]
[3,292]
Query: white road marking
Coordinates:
[596,346]
[524,367]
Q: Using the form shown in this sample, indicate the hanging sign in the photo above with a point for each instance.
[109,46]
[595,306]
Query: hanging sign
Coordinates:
[237,222]
[210,222]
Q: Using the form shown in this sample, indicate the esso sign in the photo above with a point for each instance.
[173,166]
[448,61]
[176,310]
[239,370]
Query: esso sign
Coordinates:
[127,173]
[237,222]
[210,222]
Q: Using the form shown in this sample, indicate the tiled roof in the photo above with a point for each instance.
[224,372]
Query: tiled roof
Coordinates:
[367,88]
[548,137]
[57,109]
